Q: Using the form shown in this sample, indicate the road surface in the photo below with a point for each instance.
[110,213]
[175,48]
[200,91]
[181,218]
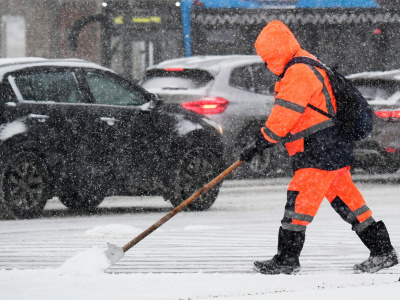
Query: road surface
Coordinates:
[241,227]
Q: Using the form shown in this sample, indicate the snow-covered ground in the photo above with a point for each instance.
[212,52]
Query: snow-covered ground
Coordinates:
[196,255]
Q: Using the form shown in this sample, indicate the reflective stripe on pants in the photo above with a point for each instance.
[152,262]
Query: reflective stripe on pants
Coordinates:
[309,187]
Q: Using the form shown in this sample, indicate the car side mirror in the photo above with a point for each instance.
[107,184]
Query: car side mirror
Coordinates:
[155,101]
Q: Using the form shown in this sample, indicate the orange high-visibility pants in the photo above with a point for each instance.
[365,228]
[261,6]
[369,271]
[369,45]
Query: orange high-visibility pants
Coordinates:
[309,187]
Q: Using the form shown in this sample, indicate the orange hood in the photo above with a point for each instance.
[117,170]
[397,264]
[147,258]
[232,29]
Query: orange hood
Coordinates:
[276,45]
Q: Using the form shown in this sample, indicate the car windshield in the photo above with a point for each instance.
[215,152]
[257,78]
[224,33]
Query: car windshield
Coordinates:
[176,79]
[379,91]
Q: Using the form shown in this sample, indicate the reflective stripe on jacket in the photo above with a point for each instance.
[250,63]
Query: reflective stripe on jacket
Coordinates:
[299,94]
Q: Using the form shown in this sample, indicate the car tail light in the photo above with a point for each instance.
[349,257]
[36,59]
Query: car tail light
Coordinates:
[209,105]
[377,31]
[174,69]
[388,115]
[392,150]
[396,115]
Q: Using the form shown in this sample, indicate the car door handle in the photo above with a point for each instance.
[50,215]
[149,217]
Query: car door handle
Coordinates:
[109,120]
[40,118]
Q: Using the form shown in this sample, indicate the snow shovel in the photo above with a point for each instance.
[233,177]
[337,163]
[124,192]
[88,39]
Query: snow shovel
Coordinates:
[115,253]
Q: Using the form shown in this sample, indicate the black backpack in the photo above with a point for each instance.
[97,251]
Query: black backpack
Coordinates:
[353,114]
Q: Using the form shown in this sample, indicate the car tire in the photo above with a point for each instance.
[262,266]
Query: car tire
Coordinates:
[384,165]
[274,161]
[196,168]
[380,163]
[24,185]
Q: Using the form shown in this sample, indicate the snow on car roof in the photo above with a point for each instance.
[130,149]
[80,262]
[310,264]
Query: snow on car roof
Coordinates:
[8,61]
[210,63]
[390,75]
[8,65]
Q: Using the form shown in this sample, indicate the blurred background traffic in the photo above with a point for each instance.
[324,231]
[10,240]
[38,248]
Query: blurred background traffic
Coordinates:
[153,43]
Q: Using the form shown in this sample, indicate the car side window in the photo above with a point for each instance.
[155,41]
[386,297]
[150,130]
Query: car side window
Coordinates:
[241,78]
[264,80]
[49,86]
[107,89]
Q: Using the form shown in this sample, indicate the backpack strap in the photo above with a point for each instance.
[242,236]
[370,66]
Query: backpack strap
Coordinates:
[328,99]
[331,111]
[312,63]
[303,60]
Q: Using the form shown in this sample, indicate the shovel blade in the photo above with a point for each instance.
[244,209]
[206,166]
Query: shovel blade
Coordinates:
[114,253]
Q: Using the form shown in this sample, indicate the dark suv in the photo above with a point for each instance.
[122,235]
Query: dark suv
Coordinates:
[78,131]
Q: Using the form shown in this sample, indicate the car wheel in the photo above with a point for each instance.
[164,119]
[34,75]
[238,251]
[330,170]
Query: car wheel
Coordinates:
[196,168]
[375,160]
[384,165]
[24,185]
[81,200]
[273,162]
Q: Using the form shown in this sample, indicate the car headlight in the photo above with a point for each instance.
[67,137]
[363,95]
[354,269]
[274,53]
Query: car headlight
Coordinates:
[215,125]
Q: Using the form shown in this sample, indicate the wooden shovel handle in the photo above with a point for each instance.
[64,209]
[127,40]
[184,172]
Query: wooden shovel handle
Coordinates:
[181,206]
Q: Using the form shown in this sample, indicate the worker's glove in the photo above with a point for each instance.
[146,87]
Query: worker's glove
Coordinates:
[257,148]
[248,153]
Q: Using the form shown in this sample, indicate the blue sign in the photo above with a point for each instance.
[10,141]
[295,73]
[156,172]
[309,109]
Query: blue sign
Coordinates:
[186,6]
[336,3]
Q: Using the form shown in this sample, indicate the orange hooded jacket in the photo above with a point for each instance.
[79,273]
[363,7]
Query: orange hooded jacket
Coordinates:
[295,92]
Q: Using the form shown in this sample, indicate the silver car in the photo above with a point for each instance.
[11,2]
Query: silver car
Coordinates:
[380,152]
[235,91]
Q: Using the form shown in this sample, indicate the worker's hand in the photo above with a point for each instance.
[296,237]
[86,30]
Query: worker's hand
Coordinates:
[248,153]
[257,148]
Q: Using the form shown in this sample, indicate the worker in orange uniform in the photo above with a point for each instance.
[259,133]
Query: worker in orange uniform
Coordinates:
[322,156]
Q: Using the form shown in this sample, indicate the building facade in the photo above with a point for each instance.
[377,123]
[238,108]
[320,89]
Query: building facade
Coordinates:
[130,35]
[40,28]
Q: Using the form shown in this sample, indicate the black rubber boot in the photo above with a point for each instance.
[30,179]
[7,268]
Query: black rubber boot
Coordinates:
[286,261]
[376,238]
